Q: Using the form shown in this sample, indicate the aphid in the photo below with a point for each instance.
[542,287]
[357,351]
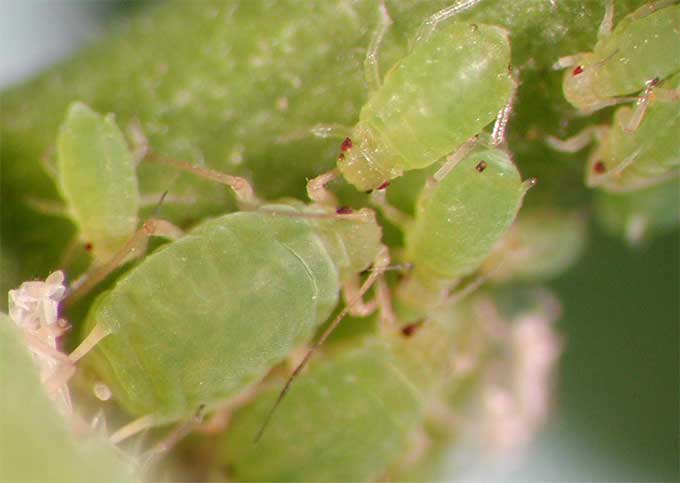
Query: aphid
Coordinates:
[200,319]
[96,176]
[641,51]
[460,215]
[358,406]
[628,161]
[452,84]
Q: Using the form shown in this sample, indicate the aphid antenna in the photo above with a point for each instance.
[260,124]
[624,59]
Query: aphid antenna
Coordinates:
[359,216]
[371,64]
[133,428]
[382,260]
[607,25]
[453,160]
[429,25]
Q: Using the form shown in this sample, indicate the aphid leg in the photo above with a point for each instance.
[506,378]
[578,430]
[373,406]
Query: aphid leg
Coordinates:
[359,307]
[576,142]
[641,107]
[242,189]
[567,61]
[135,427]
[170,440]
[452,161]
[380,264]
[607,24]
[371,64]
[388,318]
[393,214]
[317,190]
[134,247]
[430,25]
[93,338]
[47,207]
[138,141]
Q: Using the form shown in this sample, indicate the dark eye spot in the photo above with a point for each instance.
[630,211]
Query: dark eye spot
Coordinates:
[409,330]
[344,210]
[346,145]
[341,157]
[88,247]
[384,185]
[599,167]
[577,70]
[481,166]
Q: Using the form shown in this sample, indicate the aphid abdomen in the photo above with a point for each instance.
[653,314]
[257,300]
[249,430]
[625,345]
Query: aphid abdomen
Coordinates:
[96,176]
[445,91]
[638,50]
[460,220]
[200,319]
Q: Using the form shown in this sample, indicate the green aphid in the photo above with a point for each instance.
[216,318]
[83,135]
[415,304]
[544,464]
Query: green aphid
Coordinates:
[96,175]
[453,83]
[200,319]
[462,212]
[351,416]
[643,49]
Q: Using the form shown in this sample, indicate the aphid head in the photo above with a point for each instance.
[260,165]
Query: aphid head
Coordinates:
[580,84]
[363,159]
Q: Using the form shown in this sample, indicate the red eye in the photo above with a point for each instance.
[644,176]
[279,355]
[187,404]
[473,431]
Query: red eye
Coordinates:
[599,167]
[577,70]
[384,185]
[344,210]
[346,145]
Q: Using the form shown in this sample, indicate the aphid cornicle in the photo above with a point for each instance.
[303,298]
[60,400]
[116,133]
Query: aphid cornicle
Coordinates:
[453,83]
[643,47]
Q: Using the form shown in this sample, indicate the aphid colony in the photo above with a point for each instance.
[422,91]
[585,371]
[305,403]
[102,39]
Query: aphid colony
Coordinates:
[206,317]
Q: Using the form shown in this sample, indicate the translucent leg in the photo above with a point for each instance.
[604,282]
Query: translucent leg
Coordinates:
[371,64]
[317,190]
[135,427]
[359,307]
[576,142]
[452,161]
[380,264]
[641,107]
[393,215]
[135,246]
[430,25]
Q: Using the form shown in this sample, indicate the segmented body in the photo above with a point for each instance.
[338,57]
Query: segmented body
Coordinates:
[645,45]
[197,321]
[446,90]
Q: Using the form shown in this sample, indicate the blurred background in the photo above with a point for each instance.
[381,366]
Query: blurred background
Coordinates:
[616,417]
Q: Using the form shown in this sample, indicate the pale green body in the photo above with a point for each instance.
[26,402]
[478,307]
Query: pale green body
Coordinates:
[197,321]
[459,220]
[442,93]
[97,178]
[651,152]
[347,419]
[640,48]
